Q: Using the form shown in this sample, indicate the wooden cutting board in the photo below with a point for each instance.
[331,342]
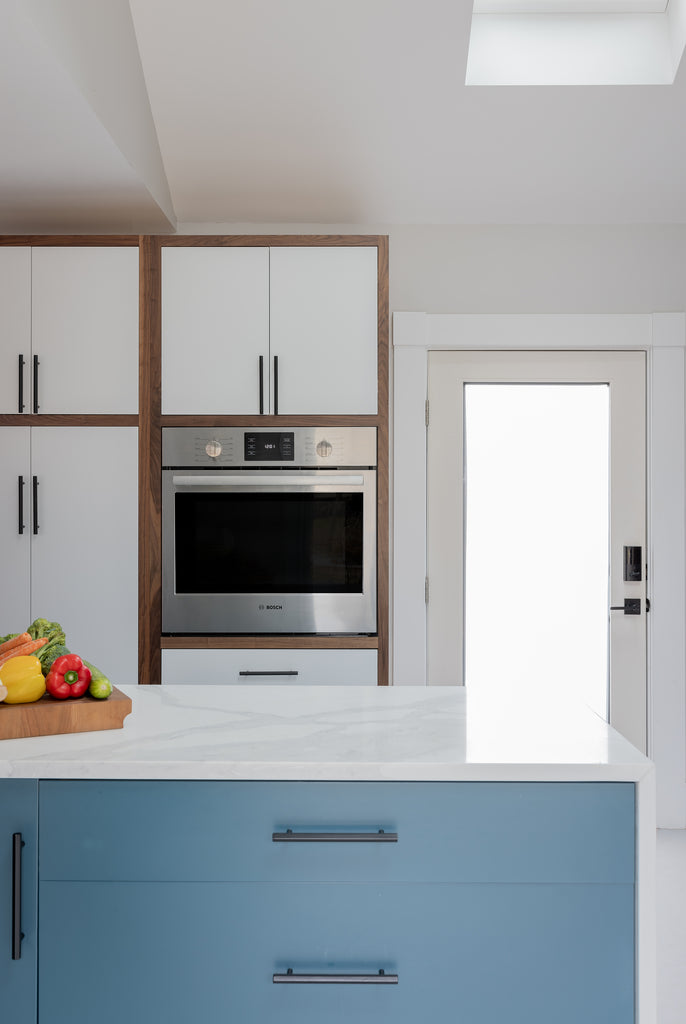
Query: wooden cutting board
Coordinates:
[48,716]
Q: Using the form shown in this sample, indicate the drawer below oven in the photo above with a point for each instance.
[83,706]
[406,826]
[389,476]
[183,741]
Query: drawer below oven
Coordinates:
[271,666]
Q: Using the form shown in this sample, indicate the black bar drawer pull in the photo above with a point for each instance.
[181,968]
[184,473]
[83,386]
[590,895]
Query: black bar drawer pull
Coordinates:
[20,508]
[17,934]
[289,836]
[287,672]
[276,385]
[20,405]
[36,364]
[290,978]
[261,385]
[35,505]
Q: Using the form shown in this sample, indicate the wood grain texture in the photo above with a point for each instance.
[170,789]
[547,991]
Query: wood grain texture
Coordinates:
[26,419]
[69,240]
[150,468]
[270,241]
[268,421]
[50,717]
[383,522]
[268,643]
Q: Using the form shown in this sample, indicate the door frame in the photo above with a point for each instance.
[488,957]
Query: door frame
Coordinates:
[663,337]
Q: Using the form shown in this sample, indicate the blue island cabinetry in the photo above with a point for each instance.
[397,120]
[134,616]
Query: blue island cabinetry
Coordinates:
[479,902]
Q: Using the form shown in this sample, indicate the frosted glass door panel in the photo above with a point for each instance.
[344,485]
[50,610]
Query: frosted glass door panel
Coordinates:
[537,537]
[536,483]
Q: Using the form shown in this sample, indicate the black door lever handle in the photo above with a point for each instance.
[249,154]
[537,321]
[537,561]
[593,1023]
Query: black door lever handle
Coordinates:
[631,606]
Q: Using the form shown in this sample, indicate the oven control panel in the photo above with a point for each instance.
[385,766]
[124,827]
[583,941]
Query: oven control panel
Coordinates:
[252,447]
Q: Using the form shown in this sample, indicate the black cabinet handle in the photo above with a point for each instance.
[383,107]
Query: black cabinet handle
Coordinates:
[20,509]
[276,385]
[36,364]
[20,405]
[261,385]
[288,672]
[290,978]
[17,934]
[35,504]
[289,836]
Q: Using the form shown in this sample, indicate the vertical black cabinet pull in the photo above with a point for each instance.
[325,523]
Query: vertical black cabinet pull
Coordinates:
[276,385]
[17,934]
[35,504]
[20,404]
[261,385]
[21,504]
[36,364]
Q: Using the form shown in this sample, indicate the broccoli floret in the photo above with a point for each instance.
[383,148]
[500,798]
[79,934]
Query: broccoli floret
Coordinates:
[43,627]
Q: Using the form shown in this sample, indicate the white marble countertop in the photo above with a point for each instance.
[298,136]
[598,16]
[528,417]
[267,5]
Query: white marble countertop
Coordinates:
[334,733]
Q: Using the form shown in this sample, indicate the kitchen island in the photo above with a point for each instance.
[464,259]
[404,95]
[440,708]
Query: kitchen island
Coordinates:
[334,853]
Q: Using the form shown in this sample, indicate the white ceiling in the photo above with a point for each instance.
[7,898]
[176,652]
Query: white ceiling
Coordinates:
[138,115]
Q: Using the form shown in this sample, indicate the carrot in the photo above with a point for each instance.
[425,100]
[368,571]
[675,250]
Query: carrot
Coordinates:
[23,649]
[21,638]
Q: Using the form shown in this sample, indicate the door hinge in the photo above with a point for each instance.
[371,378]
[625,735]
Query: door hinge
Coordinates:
[426,413]
[426,590]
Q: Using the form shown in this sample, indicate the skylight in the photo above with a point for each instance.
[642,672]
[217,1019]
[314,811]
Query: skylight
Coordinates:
[576,42]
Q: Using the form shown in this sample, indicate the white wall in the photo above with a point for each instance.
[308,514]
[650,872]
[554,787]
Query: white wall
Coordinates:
[518,269]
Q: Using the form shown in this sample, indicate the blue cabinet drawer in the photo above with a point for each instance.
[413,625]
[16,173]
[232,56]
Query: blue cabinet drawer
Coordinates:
[210,952]
[446,832]
[18,918]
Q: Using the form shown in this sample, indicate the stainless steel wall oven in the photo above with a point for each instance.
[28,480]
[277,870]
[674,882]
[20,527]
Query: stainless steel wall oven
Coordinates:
[269,531]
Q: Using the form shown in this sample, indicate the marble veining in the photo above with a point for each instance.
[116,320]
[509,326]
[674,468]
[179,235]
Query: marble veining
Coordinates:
[334,733]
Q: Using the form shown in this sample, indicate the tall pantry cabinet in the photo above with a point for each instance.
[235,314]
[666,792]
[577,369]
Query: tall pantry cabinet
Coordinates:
[69,443]
[274,331]
[104,341]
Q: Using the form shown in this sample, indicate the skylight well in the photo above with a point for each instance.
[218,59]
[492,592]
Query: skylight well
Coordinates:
[576,42]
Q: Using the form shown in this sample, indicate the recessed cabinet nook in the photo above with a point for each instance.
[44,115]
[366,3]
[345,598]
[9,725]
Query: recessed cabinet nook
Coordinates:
[107,340]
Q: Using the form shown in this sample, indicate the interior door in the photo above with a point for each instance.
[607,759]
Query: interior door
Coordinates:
[537,526]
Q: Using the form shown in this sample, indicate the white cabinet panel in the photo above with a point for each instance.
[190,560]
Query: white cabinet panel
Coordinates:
[15,462]
[314,308]
[273,667]
[15,324]
[215,327]
[84,558]
[323,328]
[85,316]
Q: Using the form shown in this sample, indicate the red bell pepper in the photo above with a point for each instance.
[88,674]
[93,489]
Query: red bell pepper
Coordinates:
[68,677]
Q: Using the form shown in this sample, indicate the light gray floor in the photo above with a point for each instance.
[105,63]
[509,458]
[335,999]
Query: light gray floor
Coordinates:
[671,926]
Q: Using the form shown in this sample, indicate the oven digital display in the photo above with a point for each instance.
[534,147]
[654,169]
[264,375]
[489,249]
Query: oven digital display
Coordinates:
[274,446]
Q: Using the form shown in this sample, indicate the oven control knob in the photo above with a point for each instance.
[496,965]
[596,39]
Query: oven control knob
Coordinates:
[324,449]
[213,449]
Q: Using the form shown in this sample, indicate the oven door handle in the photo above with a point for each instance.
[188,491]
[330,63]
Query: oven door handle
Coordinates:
[267,480]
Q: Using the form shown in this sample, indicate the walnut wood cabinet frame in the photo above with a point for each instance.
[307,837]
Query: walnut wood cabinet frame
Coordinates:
[150,422]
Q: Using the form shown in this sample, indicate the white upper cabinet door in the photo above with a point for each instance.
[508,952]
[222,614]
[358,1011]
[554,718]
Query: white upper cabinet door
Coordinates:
[85,328]
[15,528]
[84,556]
[323,329]
[215,328]
[15,327]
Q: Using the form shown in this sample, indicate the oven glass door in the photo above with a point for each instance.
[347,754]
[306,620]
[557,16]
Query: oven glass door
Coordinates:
[269,552]
[268,542]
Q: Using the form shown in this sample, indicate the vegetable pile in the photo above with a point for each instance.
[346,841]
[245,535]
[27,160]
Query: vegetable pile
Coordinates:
[38,660]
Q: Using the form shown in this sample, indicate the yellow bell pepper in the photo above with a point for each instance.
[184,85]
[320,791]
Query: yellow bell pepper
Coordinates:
[23,678]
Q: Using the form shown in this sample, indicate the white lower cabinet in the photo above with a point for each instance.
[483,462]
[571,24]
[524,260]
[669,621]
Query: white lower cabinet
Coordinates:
[69,527]
[271,666]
